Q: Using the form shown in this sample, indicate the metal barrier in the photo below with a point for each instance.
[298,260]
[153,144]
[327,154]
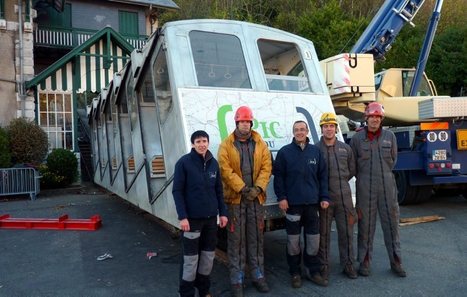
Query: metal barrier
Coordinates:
[15,181]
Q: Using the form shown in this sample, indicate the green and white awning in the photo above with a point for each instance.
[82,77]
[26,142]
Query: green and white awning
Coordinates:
[88,67]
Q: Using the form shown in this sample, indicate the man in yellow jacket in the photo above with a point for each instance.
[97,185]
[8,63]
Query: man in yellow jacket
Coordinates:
[245,163]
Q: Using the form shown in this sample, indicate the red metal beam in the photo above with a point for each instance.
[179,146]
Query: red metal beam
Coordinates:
[62,223]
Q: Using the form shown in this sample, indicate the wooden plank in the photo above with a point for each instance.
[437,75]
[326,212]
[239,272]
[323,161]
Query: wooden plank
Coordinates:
[418,220]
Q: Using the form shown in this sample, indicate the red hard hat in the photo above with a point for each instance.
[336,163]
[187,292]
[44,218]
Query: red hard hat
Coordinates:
[243,113]
[374,109]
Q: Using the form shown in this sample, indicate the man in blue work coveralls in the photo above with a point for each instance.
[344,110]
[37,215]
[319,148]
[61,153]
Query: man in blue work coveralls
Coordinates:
[198,196]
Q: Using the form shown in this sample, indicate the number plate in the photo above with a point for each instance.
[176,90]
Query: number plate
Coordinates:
[462,139]
[439,155]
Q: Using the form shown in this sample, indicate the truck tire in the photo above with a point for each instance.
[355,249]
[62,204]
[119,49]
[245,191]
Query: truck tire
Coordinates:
[406,194]
[424,193]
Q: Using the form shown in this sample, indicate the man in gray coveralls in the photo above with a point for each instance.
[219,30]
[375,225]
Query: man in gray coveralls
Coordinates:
[341,168]
[375,150]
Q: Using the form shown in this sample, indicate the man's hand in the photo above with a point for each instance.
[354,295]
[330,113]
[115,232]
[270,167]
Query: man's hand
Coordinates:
[284,205]
[253,193]
[185,225]
[324,204]
[223,221]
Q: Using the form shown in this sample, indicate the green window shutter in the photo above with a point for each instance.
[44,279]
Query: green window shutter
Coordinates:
[128,23]
[60,19]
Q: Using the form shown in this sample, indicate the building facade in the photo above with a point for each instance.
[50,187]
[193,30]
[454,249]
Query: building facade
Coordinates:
[52,62]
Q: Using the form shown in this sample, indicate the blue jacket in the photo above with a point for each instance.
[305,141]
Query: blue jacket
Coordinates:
[197,187]
[300,176]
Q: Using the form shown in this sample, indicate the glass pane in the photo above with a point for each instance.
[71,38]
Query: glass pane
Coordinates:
[52,121]
[219,60]
[162,83]
[283,66]
[147,94]
[52,140]
[69,140]
[60,121]
[42,102]
[43,119]
[51,99]
[68,121]
[68,102]
[59,102]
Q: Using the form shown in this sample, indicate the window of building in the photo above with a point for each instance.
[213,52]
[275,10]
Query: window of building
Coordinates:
[162,84]
[56,118]
[283,66]
[128,23]
[219,60]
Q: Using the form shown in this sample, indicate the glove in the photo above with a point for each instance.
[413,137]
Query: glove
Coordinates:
[253,193]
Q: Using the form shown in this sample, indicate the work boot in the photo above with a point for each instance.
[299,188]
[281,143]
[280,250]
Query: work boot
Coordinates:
[236,290]
[296,281]
[350,271]
[364,269]
[398,270]
[261,285]
[318,279]
[325,272]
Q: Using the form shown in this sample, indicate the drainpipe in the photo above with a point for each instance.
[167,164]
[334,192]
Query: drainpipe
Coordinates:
[21,60]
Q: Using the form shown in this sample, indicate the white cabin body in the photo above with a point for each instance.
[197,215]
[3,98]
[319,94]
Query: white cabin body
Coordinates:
[193,75]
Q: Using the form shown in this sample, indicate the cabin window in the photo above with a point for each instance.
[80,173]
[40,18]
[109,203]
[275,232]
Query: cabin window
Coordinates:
[56,118]
[423,88]
[219,60]
[132,106]
[162,84]
[146,91]
[283,66]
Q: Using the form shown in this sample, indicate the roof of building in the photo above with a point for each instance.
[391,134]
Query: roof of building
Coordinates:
[157,3]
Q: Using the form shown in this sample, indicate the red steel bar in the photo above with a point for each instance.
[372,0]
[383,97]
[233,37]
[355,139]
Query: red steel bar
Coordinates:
[62,223]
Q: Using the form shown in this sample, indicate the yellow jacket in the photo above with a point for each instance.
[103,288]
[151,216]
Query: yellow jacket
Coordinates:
[229,162]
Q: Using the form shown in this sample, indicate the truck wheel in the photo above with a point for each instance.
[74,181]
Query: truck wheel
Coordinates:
[406,194]
[424,193]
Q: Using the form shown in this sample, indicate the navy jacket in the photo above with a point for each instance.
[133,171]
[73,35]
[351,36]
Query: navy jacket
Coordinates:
[197,187]
[300,176]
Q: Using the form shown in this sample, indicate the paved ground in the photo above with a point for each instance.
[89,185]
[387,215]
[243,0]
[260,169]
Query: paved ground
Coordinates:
[63,263]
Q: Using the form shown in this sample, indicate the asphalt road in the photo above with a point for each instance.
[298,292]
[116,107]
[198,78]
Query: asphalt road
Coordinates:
[64,263]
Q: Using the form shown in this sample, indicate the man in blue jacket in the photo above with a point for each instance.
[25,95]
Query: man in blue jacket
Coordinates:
[197,191]
[301,187]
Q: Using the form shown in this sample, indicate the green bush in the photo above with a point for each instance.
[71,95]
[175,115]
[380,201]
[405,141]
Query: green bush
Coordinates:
[62,166]
[28,142]
[5,154]
[49,180]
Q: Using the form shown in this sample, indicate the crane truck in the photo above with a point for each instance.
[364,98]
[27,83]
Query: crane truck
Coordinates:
[431,130]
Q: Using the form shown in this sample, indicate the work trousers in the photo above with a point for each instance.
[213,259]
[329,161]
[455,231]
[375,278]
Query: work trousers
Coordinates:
[198,246]
[345,217]
[245,240]
[388,210]
[306,216]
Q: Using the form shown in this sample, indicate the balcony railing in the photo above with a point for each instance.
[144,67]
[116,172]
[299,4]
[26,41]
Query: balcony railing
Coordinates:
[70,38]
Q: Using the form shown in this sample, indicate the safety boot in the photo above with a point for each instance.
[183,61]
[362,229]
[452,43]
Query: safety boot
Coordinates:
[350,271]
[318,279]
[364,269]
[398,270]
[261,285]
[296,281]
[325,272]
[236,290]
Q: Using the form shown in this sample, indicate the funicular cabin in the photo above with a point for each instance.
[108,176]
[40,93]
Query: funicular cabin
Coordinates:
[193,75]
